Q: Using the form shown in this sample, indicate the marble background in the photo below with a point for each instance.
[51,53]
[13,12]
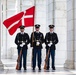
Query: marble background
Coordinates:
[46,13]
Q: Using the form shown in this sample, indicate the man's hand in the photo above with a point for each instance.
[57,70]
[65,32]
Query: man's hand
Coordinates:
[50,44]
[32,48]
[37,43]
[21,45]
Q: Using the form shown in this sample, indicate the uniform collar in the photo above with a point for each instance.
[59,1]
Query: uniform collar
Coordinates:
[51,32]
[37,31]
[22,32]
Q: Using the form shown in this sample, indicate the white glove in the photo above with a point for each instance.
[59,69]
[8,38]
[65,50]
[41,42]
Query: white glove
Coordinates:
[31,47]
[21,45]
[50,44]
[37,43]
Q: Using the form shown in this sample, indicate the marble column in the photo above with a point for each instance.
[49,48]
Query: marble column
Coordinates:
[75,34]
[1,65]
[70,62]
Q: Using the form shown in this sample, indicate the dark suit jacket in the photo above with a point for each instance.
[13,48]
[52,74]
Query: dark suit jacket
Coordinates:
[51,37]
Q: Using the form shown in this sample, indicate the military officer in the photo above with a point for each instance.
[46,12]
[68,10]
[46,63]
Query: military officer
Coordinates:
[37,40]
[51,39]
[22,40]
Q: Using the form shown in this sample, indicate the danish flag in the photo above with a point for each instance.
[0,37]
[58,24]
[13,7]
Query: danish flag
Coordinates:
[25,18]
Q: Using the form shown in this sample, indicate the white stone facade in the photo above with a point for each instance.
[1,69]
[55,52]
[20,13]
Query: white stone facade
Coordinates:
[1,64]
[58,12]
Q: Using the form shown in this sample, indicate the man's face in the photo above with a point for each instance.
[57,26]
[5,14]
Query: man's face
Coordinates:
[37,29]
[51,29]
[22,30]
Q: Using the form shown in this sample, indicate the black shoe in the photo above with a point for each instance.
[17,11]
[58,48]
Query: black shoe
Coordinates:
[39,68]
[53,68]
[33,69]
[25,69]
[47,69]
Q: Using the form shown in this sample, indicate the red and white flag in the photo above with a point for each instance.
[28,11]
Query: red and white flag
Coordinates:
[25,18]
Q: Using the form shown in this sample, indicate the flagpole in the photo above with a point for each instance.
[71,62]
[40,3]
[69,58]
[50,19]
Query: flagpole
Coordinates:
[34,21]
[33,31]
[34,13]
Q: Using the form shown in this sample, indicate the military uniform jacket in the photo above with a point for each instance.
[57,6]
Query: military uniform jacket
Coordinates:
[37,37]
[22,37]
[51,37]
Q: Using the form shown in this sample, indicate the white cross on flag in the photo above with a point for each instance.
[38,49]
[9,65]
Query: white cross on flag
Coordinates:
[25,18]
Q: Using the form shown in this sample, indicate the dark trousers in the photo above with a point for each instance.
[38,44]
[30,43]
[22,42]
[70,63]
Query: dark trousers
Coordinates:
[52,53]
[24,55]
[36,53]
